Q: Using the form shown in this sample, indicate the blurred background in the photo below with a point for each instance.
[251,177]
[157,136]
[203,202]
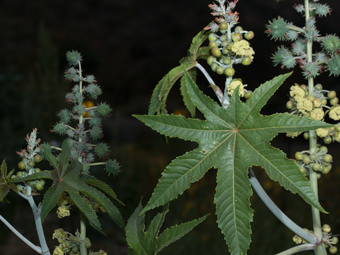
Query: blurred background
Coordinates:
[129,46]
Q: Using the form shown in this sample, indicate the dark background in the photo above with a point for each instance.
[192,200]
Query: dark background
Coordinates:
[129,46]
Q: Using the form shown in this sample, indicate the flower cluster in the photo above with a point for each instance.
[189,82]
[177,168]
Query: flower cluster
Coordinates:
[327,59]
[330,241]
[228,42]
[316,105]
[319,161]
[83,122]
[29,157]
[70,244]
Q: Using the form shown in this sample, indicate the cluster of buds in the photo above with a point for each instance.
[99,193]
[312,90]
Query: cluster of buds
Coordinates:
[319,161]
[69,244]
[29,157]
[317,105]
[327,59]
[330,241]
[228,42]
[83,122]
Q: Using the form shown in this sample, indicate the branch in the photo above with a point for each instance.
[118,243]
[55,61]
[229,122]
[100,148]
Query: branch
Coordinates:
[20,236]
[278,213]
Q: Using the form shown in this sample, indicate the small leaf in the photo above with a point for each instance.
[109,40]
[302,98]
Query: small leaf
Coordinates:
[103,187]
[154,228]
[45,174]
[49,156]
[50,200]
[84,207]
[135,232]
[176,232]
[186,98]
[100,198]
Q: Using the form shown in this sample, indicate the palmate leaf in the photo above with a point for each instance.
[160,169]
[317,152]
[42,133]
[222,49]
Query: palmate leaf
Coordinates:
[231,140]
[68,178]
[6,181]
[150,242]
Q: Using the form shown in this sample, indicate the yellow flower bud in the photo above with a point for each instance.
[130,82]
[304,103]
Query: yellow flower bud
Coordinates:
[334,113]
[243,48]
[233,85]
[317,114]
[322,132]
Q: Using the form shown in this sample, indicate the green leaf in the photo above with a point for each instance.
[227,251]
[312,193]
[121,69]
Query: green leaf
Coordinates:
[84,207]
[103,187]
[135,232]
[51,198]
[67,177]
[6,181]
[196,43]
[154,228]
[176,232]
[186,98]
[45,174]
[162,89]
[149,242]
[105,202]
[231,140]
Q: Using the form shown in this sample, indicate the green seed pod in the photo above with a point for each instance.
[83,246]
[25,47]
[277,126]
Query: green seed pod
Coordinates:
[316,167]
[214,67]
[250,35]
[220,70]
[333,249]
[226,61]
[334,101]
[211,60]
[246,61]
[331,94]
[238,29]
[328,158]
[223,26]
[213,44]
[216,52]
[212,37]
[318,86]
[289,105]
[306,159]
[21,165]
[327,140]
[326,228]
[298,156]
[306,135]
[229,72]
[236,37]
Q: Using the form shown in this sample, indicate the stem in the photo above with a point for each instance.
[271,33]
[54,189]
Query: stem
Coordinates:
[320,249]
[20,236]
[278,213]
[296,249]
[83,250]
[97,164]
[212,84]
[38,225]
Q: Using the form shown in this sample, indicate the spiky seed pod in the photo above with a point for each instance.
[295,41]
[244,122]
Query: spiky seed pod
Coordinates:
[299,8]
[310,70]
[312,33]
[64,116]
[95,132]
[299,47]
[90,79]
[101,150]
[73,57]
[277,29]
[112,167]
[279,55]
[322,10]
[60,128]
[288,60]
[95,122]
[103,110]
[330,43]
[70,133]
[78,109]
[292,35]
[93,90]
[333,65]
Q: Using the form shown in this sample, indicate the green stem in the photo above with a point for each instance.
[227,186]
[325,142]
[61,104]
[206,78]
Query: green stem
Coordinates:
[20,236]
[278,213]
[296,249]
[83,250]
[320,249]
[38,225]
